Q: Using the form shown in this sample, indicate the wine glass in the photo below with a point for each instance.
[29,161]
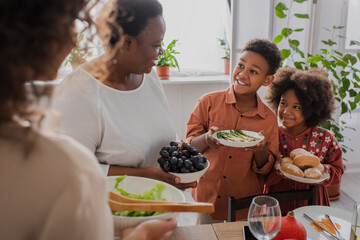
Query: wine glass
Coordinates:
[264,217]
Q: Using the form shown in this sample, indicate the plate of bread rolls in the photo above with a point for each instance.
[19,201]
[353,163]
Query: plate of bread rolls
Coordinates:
[303,166]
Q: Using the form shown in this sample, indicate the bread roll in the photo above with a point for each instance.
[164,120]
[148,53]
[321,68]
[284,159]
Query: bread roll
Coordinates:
[292,169]
[320,167]
[286,160]
[312,173]
[306,161]
[298,151]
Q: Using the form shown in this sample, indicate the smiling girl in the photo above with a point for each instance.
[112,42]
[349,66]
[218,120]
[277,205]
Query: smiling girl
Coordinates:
[303,100]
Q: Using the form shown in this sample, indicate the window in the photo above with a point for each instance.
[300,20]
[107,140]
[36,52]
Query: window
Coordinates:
[198,24]
[352,23]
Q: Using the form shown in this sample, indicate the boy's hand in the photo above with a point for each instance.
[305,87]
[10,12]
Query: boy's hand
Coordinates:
[261,146]
[210,140]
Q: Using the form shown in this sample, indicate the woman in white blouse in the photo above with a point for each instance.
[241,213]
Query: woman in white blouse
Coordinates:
[122,116]
[51,187]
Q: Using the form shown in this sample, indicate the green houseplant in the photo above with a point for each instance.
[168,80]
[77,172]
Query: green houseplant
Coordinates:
[224,45]
[79,54]
[167,60]
[342,72]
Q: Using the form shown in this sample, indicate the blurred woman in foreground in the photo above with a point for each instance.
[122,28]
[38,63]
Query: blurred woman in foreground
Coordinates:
[51,187]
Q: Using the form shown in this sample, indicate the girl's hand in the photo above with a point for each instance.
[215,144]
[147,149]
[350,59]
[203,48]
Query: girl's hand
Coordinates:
[261,146]
[327,170]
[161,175]
[210,140]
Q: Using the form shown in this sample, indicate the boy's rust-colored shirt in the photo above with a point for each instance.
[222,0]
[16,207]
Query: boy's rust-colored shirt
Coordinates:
[232,171]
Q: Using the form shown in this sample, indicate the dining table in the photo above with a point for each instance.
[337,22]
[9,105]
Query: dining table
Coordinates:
[215,231]
[234,230]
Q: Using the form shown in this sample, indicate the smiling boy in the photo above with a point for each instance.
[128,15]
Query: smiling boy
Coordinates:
[236,172]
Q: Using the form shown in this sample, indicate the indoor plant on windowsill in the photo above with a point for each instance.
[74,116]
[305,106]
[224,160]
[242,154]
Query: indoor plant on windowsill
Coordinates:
[225,46]
[81,53]
[167,60]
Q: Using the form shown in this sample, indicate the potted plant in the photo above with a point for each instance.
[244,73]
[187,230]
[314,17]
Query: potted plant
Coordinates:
[225,46]
[167,60]
[79,54]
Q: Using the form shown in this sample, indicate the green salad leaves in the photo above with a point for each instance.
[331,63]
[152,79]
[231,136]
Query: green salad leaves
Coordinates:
[153,194]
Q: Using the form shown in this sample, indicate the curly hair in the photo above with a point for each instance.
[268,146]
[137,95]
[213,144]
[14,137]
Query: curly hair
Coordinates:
[312,88]
[268,50]
[32,33]
[132,17]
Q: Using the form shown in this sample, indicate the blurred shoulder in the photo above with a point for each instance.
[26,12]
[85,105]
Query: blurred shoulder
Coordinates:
[68,152]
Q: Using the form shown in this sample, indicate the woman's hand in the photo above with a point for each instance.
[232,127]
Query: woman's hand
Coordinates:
[210,140]
[326,170]
[150,230]
[161,175]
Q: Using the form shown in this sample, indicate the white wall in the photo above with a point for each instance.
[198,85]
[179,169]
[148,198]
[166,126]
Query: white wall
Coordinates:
[182,97]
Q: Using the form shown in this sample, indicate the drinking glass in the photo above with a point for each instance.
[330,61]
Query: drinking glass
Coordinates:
[355,223]
[264,217]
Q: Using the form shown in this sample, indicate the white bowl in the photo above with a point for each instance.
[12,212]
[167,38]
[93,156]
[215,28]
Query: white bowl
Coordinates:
[240,144]
[139,185]
[193,176]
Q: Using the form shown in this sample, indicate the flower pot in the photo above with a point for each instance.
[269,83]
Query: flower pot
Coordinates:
[227,66]
[163,72]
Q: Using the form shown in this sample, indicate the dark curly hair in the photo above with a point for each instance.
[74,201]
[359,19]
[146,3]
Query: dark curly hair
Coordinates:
[268,50]
[312,88]
[132,17]
[32,33]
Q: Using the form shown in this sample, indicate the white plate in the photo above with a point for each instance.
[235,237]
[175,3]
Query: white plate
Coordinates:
[339,216]
[325,176]
[193,176]
[240,144]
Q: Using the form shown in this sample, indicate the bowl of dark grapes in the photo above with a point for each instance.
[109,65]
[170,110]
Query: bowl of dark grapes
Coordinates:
[184,161]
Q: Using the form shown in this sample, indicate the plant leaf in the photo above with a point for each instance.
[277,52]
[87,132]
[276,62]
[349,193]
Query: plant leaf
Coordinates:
[279,10]
[305,16]
[352,105]
[285,53]
[356,77]
[314,59]
[300,1]
[298,65]
[346,84]
[299,30]
[352,93]
[278,38]
[353,42]
[294,42]
[286,32]
[344,108]
[353,60]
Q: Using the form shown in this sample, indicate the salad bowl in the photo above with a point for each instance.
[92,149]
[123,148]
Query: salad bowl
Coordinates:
[140,185]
